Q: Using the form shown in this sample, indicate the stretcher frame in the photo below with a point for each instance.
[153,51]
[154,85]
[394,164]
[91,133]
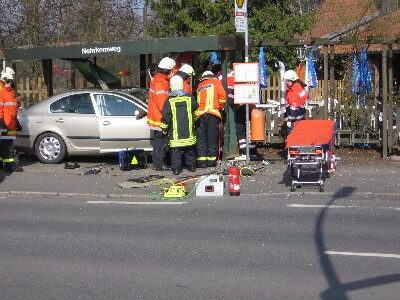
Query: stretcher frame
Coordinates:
[315,157]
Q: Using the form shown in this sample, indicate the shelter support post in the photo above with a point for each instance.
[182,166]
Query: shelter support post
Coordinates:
[229,134]
[149,64]
[332,78]
[384,101]
[326,80]
[390,98]
[377,68]
[48,75]
[73,76]
[142,72]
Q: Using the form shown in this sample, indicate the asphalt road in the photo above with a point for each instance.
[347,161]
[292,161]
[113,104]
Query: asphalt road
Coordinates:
[297,246]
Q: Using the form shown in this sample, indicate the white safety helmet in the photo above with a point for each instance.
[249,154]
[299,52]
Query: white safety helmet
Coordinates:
[187,69]
[7,74]
[176,83]
[207,74]
[290,75]
[167,63]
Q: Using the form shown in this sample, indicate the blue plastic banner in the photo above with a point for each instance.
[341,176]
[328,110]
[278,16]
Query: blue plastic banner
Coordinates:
[312,80]
[214,58]
[365,73]
[263,68]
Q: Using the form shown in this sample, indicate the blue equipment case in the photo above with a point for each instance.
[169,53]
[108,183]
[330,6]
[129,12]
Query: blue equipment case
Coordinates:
[132,159]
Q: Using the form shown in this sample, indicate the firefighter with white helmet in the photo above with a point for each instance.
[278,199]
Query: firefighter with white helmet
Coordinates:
[211,97]
[7,73]
[158,94]
[178,122]
[290,75]
[186,71]
[8,121]
[296,97]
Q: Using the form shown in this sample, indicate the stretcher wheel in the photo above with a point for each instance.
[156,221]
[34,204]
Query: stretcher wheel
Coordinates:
[293,187]
[321,187]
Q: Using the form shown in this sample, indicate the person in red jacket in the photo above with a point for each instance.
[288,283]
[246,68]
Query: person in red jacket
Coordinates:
[296,98]
[158,94]
[211,97]
[8,121]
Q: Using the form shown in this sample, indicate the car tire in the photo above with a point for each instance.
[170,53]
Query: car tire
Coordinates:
[50,148]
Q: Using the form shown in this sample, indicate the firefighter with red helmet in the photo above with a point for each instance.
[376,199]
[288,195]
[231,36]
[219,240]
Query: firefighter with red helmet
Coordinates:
[211,97]
[158,94]
[8,121]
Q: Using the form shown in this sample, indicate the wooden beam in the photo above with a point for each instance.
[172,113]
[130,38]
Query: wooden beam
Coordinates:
[326,80]
[332,75]
[320,41]
[390,97]
[384,101]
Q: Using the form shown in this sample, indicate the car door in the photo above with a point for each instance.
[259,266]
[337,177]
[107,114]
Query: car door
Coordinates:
[119,127]
[73,117]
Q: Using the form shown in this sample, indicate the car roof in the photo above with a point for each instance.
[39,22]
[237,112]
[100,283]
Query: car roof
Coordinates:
[45,102]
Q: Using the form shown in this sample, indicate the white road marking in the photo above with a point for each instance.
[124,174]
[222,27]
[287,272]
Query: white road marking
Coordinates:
[316,206]
[337,206]
[384,255]
[135,203]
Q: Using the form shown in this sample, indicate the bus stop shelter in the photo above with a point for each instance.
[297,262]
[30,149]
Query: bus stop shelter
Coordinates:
[142,47]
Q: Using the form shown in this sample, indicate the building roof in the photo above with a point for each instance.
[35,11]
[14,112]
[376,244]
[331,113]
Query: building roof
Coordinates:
[336,17]
[355,20]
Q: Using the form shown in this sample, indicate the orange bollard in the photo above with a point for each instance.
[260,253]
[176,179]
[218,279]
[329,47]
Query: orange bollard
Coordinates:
[257,125]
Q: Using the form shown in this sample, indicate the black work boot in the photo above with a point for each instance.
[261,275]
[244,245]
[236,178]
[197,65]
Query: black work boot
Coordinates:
[191,169]
[9,168]
[212,163]
[177,171]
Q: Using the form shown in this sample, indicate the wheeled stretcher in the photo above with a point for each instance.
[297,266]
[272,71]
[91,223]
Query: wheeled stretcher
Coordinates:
[309,152]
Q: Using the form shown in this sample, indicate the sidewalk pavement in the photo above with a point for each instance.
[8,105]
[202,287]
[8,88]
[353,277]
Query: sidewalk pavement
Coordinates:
[380,177]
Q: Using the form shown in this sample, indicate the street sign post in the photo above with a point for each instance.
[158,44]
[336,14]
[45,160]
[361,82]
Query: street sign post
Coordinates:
[242,26]
[246,91]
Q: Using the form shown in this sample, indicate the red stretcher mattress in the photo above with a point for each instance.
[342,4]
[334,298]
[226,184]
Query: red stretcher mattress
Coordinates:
[311,132]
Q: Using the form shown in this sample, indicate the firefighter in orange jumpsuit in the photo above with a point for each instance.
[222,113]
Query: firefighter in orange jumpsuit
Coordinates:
[8,121]
[158,94]
[186,72]
[211,97]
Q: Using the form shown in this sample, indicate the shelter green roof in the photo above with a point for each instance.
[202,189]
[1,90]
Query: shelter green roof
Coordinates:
[131,47]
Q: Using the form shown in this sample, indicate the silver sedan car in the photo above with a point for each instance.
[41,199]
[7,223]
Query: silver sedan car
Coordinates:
[89,122]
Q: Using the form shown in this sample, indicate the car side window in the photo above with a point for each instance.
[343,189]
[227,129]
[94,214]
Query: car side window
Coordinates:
[112,105]
[75,104]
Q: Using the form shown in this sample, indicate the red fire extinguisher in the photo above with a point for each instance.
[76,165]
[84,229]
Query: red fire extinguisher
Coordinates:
[234,181]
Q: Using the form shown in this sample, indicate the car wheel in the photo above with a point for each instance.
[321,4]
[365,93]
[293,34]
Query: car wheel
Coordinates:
[50,148]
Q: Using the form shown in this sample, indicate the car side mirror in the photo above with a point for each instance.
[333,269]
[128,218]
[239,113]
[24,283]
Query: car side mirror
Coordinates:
[139,114]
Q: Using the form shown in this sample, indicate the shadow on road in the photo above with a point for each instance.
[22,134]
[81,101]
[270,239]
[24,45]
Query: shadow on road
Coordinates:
[337,290]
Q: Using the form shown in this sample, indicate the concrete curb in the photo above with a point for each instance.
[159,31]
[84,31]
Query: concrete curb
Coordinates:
[115,196]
